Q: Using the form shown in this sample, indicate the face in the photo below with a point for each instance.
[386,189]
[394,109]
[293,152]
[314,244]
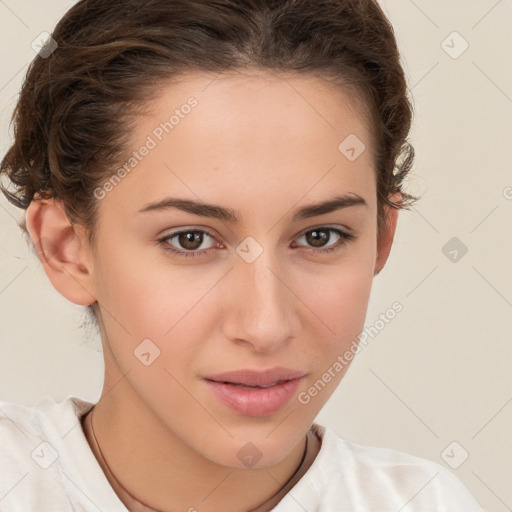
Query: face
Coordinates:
[256,282]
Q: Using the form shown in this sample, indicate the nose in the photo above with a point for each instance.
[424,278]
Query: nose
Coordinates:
[260,309]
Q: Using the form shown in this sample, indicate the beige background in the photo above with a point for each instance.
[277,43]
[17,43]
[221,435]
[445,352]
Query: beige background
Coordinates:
[441,370]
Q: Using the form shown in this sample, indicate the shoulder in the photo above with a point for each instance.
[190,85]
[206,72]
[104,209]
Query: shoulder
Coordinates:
[370,478]
[35,447]
[25,425]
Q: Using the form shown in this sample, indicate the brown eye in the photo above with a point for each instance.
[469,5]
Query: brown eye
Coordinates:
[188,242]
[317,239]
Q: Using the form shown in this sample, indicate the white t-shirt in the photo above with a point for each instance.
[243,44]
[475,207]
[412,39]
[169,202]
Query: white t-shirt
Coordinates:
[47,465]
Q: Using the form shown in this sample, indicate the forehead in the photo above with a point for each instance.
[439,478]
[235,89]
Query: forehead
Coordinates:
[249,133]
[237,96]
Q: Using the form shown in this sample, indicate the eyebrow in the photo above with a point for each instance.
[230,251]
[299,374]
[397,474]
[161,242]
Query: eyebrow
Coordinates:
[228,215]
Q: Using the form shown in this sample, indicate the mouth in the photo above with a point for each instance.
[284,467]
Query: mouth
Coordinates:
[255,393]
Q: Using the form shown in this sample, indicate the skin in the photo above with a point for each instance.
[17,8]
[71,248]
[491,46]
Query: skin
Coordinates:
[259,146]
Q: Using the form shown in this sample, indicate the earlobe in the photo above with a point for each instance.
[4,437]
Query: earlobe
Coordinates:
[61,249]
[385,239]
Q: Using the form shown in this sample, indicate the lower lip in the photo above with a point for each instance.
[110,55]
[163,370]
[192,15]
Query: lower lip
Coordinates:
[255,401]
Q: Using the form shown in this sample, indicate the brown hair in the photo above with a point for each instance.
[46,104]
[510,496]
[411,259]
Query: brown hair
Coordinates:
[71,122]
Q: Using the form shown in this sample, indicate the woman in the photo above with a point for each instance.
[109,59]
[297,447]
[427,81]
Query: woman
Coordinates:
[218,182]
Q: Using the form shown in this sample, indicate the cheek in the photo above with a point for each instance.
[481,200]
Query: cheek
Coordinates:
[147,297]
[342,303]
[163,310]
[345,288]
[339,298]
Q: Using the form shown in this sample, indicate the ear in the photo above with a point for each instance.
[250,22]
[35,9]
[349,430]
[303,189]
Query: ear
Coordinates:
[62,249]
[386,236]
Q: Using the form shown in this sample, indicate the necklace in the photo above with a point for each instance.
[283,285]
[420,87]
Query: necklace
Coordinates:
[137,506]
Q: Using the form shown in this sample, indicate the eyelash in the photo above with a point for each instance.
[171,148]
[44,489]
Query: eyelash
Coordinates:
[342,242]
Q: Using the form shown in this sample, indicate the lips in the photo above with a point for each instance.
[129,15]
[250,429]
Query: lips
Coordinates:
[254,401]
[255,393]
[255,378]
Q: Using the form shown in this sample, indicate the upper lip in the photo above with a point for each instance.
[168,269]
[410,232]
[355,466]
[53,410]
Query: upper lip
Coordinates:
[257,377]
